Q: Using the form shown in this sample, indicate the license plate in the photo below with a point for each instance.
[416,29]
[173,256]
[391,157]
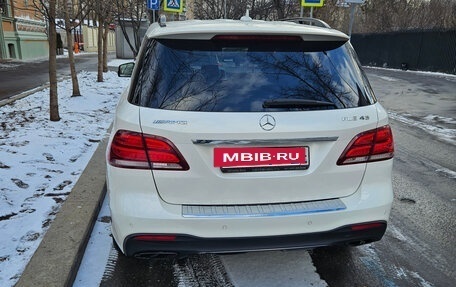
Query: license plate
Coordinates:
[261,156]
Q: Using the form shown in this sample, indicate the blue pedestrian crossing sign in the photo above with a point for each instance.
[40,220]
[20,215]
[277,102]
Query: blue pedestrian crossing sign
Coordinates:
[153,4]
[312,3]
[173,5]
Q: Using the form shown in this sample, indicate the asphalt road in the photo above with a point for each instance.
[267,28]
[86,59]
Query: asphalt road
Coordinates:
[418,247]
[26,75]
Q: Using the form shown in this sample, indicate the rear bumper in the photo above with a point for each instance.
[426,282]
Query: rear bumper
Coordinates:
[142,245]
[136,209]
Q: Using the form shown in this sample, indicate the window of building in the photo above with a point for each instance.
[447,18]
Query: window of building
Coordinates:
[5,8]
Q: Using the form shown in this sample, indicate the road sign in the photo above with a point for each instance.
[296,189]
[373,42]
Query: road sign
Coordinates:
[153,4]
[173,5]
[312,3]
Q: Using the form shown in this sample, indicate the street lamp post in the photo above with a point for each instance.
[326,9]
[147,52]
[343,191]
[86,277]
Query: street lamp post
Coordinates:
[352,4]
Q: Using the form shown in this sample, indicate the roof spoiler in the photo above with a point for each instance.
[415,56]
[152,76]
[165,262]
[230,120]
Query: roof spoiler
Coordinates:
[308,21]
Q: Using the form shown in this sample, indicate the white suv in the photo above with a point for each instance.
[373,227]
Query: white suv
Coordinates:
[247,135]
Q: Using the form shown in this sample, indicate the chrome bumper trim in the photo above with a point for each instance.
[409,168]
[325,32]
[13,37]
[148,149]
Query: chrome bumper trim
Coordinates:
[262,210]
[295,141]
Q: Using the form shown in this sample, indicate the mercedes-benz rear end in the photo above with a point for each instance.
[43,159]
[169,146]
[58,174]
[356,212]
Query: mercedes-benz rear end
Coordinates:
[238,137]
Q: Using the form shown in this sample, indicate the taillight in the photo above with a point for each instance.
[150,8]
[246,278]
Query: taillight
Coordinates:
[141,151]
[373,145]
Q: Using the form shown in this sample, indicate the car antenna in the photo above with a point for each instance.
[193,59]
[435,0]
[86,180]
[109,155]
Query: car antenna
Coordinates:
[246,17]
[162,20]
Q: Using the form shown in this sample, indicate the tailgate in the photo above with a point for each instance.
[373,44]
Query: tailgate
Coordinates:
[234,160]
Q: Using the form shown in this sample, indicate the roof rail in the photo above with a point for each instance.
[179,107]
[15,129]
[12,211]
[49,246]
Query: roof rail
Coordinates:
[308,21]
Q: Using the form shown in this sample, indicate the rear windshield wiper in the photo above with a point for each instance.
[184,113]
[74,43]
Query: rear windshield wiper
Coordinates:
[296,103]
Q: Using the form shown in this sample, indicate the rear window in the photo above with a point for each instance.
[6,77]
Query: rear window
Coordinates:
[249,76]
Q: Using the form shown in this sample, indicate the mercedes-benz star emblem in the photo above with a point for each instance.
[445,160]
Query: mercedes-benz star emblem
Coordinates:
[267,122]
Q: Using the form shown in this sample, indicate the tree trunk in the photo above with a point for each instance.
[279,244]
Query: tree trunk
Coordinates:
[100,50]
[279,8]
[105,47]
[70,42]
[53,97]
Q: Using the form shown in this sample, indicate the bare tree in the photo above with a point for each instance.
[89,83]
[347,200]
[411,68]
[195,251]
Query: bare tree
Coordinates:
[100,41]
[215,9]
[440,14]
[73,16]
[285,8]
[392,15]
[70,24]
[103,11]
[109,19]
[130,14]
[53,95]
[48,9]
[105,46]
[258,9]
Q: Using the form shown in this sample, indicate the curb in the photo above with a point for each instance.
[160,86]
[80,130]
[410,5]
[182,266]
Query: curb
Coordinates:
[29,92]
[57,259]
[22,95]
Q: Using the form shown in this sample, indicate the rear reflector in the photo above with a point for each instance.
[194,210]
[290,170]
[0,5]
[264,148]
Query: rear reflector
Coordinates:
[370,146]
[366,226]
[155,237]
[136,150]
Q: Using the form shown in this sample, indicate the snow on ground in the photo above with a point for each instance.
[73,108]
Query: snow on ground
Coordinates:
[97,252]
[449,77]
[40,160]
[261,269]
[8,65]
[431,124]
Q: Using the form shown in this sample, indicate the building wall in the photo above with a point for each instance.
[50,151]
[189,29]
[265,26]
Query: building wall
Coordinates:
[31,38]
[123,50]
[6,25]
[23,31]
[90,36]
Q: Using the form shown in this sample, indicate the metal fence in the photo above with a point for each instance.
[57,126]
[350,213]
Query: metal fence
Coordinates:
[416,50]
